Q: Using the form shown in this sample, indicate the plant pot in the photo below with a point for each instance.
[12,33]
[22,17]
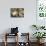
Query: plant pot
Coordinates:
[40,41]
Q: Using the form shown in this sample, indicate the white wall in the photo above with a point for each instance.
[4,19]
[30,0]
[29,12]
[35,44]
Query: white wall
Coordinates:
[24,24]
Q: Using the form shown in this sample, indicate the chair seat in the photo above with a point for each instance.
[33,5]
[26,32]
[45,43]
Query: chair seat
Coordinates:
[9,34]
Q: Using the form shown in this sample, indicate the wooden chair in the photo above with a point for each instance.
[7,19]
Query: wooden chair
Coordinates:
[27,43]
[8,34]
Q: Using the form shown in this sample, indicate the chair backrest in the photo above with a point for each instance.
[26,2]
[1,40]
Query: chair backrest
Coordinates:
[14,30]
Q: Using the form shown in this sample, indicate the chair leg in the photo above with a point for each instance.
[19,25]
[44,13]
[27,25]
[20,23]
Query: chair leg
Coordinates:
[5,40]
[5,43]
[17,41]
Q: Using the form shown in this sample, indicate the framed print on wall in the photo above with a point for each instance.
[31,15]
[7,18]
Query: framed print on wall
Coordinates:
[41,12]
[41,8]
[17,12]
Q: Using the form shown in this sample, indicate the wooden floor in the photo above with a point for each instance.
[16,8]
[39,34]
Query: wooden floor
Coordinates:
[13,44]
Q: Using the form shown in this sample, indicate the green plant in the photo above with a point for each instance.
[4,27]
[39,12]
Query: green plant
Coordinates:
[35,26]
[38,27]
[42,27]
[39,35]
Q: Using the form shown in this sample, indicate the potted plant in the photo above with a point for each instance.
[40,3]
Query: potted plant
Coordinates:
[39,35]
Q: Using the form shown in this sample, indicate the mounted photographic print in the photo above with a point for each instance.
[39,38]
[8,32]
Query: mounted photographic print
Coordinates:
[41,8]
[41,12]
[17,12]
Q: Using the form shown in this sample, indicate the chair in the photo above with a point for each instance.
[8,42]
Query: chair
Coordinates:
[7,35]
[26,41]
[14,32]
